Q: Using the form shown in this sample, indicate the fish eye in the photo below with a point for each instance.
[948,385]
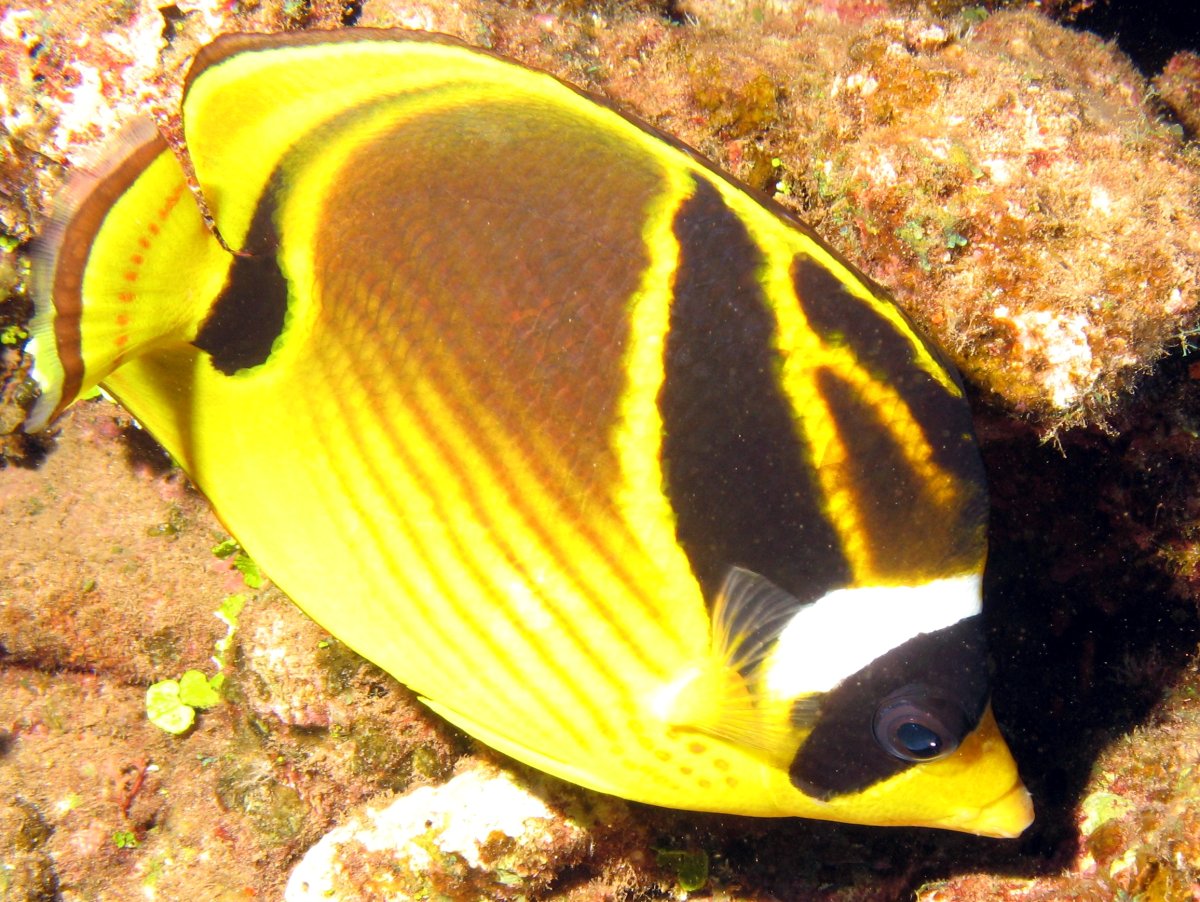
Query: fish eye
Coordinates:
[915,724]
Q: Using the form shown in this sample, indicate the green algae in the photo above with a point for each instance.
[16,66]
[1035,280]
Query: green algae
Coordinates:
[171,705]
[690,867]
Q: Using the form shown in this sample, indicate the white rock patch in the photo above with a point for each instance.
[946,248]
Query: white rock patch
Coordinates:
[1059,342]
[454,819]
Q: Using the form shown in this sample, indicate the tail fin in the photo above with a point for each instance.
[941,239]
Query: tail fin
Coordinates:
[126,263]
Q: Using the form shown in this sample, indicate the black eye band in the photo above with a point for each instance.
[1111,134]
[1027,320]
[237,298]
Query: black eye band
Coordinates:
[914,704]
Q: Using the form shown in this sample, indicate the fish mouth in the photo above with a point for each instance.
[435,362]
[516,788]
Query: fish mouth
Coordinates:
[1007,817]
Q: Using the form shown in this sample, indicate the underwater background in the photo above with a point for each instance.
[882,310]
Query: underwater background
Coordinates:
[1030,195]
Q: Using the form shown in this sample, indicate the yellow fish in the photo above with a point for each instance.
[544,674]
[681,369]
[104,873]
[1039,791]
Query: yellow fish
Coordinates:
[615,463]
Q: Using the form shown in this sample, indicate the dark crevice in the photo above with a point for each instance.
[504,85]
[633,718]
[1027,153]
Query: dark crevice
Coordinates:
[1149,33]
[674,13]
[172,17]
[143,452]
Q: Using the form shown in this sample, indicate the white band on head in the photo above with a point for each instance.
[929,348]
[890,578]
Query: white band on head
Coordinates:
[846,629]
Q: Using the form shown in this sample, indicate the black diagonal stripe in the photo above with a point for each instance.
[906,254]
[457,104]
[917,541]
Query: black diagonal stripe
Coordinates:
[912,532]
[737,473]
[841,318]
[841,755]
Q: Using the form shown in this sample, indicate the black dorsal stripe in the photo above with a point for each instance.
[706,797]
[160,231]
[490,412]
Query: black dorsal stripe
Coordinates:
[841,755]
[912,535]
[736,469]
[248,315]
[840,318]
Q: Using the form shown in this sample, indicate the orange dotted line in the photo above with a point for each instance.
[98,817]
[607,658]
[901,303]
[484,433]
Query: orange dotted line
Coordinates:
[138,258]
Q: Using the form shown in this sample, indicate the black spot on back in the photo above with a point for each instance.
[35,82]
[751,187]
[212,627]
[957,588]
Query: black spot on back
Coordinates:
[736,469]
[248,314]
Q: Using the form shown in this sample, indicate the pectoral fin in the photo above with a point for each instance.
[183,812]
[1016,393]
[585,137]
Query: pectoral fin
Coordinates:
[726,697]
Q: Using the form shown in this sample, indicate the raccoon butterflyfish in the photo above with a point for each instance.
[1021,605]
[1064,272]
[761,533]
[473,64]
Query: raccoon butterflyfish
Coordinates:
[616,464]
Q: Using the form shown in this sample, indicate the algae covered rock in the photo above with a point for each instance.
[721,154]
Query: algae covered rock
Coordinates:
[1017,191]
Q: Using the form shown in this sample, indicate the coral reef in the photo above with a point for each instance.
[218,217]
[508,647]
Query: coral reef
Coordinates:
[1010,181]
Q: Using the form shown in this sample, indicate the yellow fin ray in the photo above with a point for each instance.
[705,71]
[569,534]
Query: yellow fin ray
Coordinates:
[124,234]
[725,697]
[525,750]
[749,614]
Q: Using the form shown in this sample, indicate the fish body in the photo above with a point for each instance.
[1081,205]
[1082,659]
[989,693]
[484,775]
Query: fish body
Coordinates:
[615,464]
